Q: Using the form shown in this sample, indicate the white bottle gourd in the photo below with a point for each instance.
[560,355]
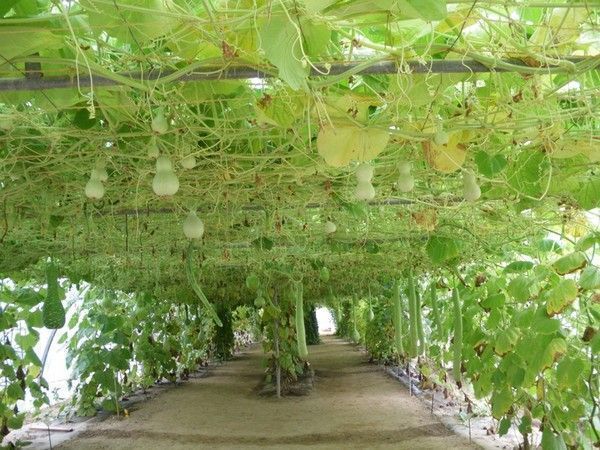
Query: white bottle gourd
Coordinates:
[99,171]
[193,227]
[364,189]
[471,190]
[188,162]
[153,151]
[406,181]
[165,181]
[159,124]
[94,189]
[330,227]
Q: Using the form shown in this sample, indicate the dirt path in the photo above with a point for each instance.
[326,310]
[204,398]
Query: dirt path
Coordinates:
[353,405]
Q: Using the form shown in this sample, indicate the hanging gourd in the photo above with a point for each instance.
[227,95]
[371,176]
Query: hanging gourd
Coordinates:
[193,227]
[458,337]
[330,227]
[99,171]
[189,162]
[165,181]
[364,189]
[53,312]
[364,172]
[412,312]
[471,190]
[406,181]
[160,124]
[397,319]
[300,330]
[94,189]
[153,150]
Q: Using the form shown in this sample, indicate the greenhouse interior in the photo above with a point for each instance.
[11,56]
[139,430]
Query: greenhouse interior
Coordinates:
[332,224]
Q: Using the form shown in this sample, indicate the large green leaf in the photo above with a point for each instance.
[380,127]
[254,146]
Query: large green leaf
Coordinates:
[528,173]
[490,164]
[144,21]
[551,441]
[588,195]
[441,249]
[501,402]
[518,266]
[570,263]
[282,43]
[561,296]
[590,278]
[518,288]
[425,9]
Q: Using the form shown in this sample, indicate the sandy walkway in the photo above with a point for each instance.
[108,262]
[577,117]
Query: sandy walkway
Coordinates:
[353,405]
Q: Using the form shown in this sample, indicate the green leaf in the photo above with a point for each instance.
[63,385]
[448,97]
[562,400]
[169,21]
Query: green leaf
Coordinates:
[569,371]
[6,6]
[587,241]
[281,43]
[16,421]
[518,266]
[28,340]
[501,402]
[570,263]
[263,243]
[426,9]
[590,278]
[489,165]
[15,392]
[561,296]
[29,297]
[494,301]
[505,424]
[518,288]
[544,325]
[551,441]
[441,249]
[548,245]
[528,173]
[588,196]
[553,352]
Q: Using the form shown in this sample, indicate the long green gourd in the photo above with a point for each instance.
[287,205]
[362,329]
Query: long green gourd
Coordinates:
[300,330]
[189,269]
[398,319]
[458,336]
[53,312]
[419,314]
[412,312]
[355,333]
[435,311]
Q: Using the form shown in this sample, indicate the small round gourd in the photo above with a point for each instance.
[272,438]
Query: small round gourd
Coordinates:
[193,227]
[94,189]
[364,191]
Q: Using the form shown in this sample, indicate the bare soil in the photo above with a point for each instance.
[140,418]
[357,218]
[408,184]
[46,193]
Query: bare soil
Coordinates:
[353,405]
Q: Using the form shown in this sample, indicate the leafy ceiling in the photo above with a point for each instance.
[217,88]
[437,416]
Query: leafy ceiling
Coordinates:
[275,155]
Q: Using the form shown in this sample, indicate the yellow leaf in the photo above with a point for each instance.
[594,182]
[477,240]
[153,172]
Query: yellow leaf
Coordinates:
[449,157]
[341,144]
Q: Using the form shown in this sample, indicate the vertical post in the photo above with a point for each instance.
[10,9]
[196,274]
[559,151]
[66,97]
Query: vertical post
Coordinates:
[276,339]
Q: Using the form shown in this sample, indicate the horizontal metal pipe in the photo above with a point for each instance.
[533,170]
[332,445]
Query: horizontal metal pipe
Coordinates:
[215,73]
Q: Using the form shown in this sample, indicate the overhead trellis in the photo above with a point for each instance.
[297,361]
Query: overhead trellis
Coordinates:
[263,110]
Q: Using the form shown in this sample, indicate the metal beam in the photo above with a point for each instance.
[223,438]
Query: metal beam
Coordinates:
[215,73]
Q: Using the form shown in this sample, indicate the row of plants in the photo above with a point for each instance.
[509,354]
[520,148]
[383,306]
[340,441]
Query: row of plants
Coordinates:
[116,343]
[521,335]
